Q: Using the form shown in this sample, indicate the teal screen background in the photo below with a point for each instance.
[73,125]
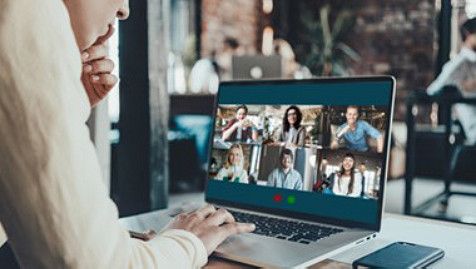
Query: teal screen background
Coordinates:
[322,93]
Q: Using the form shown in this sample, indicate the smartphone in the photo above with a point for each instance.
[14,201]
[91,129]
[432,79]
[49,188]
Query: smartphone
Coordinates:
[400,255]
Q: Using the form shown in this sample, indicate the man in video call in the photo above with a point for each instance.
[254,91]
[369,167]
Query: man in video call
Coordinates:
[355,132]
[285,176]
[240,128]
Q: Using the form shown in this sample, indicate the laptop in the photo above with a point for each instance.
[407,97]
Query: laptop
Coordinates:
[282,184]
[256,67]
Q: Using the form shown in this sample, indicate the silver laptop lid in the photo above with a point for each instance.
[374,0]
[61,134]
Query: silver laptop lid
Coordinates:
[256,67]
[309,149]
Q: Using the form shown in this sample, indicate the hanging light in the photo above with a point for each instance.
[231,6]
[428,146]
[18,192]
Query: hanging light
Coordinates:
[267,47]
[267,6]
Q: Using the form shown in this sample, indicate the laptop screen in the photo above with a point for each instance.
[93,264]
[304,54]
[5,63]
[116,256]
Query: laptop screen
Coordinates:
[311,149]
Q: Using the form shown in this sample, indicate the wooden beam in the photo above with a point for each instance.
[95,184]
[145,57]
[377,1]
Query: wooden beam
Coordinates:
[142,155]
[158,18]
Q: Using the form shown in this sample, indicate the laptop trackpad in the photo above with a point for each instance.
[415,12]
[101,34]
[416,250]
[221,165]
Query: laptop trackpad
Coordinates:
[261,251]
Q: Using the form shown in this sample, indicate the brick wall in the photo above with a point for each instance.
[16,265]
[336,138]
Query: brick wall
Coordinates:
[396,37]
[392,37]
[239,19]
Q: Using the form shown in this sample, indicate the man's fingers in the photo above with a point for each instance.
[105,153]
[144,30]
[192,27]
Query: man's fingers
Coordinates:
[207,210]
[94,53]
[100,92]
[219,217]
[99,66]
[104,38]
[237,228]
[200,215]
[108,80]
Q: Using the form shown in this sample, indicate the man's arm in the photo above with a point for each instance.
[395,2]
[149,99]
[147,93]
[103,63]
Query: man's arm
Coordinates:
[374,133]
[228,131]
[339,133]
[53,205]
[445,77]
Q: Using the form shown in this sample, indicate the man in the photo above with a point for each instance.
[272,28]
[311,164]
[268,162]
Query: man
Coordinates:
[355,132]
[285,176]
[240,128]
[54,209]
[461,72]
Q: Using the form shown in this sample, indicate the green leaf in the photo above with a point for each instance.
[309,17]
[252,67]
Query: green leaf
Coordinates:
[350,52]
[343,21]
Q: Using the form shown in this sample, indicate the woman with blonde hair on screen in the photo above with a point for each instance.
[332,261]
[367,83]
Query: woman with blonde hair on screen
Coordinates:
[55,211]
[233,169]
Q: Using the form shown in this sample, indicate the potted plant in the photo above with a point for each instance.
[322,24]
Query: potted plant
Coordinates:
[327,55]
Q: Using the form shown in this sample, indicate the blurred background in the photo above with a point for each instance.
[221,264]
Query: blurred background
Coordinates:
[152,133]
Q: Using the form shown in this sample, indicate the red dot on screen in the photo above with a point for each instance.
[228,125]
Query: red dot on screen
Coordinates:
[277,198]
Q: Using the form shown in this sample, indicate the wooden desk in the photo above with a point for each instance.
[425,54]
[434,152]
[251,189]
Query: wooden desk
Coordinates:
[457,240]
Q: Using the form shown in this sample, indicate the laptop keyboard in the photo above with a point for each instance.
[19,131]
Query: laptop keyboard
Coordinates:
[290,230]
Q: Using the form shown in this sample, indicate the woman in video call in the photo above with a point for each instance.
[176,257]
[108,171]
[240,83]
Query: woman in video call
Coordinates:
[292,133]
[355,132]
[233,170]
[348,181]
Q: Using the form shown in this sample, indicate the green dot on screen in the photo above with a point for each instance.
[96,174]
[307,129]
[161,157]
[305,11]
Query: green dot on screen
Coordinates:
[291,199]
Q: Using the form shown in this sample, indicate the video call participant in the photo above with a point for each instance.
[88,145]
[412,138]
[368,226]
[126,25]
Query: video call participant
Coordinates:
[233,170]
[355,132]
[240,128]
[292,133]
[285,176]
[348,181]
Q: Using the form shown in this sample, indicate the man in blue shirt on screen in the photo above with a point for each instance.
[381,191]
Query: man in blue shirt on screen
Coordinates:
[285,176]
[355,132]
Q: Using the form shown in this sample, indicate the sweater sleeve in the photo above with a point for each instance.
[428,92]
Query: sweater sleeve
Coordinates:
[161,252]
[302,137]
[53,205]
[3,236]
[446,77]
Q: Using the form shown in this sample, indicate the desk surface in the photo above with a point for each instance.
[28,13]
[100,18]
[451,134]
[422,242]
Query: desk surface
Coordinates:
[457,240]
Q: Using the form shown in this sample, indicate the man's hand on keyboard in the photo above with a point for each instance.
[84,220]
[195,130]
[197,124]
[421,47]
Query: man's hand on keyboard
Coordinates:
[210,225]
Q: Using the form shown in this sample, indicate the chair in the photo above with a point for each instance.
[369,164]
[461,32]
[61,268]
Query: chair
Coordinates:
[463,156]
[456,151]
